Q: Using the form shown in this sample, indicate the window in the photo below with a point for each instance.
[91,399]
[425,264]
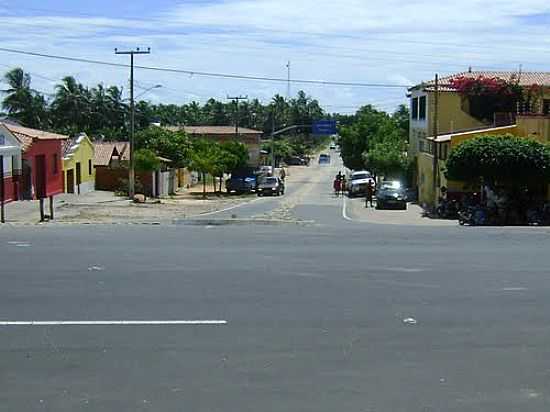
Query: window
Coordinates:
[90,167]
[414,108]
[422,108]
[546,107]
[55,166]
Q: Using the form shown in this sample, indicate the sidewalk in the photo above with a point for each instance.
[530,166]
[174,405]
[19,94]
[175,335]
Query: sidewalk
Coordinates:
[356,211]
[105,207]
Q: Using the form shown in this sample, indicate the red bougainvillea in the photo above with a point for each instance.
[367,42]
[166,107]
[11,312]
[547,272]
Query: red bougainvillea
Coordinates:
[486,86]
[490,95]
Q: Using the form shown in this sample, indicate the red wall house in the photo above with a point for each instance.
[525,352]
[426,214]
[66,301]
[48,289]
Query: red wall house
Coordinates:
[42,169]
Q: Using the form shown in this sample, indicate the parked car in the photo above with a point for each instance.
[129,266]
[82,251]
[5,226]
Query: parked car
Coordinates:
[391,197]
[358,183]
[270,186]
[241,184]
[296,161]
[333,146]
[324,159]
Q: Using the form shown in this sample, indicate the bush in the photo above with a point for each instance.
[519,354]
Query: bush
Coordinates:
[504,159]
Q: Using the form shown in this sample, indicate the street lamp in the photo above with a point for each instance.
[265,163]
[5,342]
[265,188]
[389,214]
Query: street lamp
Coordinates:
[145,91]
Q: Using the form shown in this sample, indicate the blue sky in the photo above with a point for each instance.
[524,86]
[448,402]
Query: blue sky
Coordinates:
[363,41]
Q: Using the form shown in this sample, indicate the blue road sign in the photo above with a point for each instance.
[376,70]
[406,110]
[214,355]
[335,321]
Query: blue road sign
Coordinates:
[324,127]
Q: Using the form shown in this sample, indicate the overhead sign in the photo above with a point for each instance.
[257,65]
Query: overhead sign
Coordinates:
[324,127]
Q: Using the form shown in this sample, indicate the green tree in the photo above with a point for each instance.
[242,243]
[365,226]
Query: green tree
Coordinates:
[204,159]
[23,103]
[505,159]
[172,145]
[146,160]
[387,158]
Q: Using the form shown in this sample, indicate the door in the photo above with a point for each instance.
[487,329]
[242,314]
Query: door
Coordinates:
[41,178]
[70,181]
[26,180]
[78,177]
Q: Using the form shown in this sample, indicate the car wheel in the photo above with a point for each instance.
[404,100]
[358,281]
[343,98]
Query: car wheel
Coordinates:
[259,194]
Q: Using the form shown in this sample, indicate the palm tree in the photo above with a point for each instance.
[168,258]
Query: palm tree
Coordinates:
[21,102]
[72,105]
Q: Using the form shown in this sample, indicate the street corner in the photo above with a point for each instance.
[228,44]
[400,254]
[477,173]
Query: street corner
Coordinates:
[355,210]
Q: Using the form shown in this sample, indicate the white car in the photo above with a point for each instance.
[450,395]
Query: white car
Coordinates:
[359,182]
[332,146]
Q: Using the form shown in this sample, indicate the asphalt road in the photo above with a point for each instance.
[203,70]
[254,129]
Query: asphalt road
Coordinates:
[314,315]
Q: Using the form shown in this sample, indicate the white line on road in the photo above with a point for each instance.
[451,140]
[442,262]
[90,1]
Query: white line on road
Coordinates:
[215,212]
[112,322]
[344,211]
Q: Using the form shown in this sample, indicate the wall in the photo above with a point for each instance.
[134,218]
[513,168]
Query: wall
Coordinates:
[425,179]
[461,137]
[110,179]
[54,181]
[451,117]
[537,127]
[82,155]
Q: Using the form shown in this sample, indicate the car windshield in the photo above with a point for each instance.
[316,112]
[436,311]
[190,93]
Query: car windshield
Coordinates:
[360,176]
[270,180]
[390,191]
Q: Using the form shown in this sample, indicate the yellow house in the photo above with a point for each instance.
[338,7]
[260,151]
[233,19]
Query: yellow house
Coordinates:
[454,120]
[531,126]
[78,165]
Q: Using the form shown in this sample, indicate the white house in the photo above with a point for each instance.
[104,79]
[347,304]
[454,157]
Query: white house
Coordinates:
[10,163]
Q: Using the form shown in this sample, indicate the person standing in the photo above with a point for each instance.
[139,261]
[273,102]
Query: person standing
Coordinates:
[370,195]
[343,185]
[336,185]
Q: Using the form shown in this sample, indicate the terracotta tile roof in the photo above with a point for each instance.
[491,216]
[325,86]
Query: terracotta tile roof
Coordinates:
[34,133]
[525,79]
[25,141]
[123,149]
[105,151]
[214,130]
[26,135]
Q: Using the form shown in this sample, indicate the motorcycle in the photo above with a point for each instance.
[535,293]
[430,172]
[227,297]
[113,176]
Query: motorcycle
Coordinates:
[473,216]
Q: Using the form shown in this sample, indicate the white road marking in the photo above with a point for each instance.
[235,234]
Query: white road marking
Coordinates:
[512,289]
[112,322]
[344,210]
[215,212]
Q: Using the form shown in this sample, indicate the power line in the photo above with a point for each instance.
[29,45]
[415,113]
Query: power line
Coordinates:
[208,74]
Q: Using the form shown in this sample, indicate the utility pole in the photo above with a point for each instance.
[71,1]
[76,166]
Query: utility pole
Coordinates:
[132,173]
[273,139]
[237,114]
[288,81]
[435,135]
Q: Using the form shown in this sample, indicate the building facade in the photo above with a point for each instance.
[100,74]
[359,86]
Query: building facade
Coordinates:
[455,123]
[78,165]
[10,164]
[41,166]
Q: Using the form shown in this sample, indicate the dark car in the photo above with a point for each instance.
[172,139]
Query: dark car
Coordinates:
[391,197]
[324,159]
[296,161]
[270,186]
[241,184]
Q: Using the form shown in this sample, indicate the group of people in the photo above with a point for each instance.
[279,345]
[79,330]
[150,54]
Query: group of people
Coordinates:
[339,184]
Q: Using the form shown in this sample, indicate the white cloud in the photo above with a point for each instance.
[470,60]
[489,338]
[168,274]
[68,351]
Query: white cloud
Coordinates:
[353,41]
